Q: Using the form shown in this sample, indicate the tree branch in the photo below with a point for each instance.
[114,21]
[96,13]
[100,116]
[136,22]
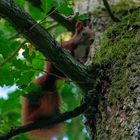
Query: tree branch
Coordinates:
[44,42]
[16,35]
[13,36]
[69,24]
[43,123]
[110,12]
[52,26]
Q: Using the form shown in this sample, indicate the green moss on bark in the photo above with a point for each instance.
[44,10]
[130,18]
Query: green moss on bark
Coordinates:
[120,110]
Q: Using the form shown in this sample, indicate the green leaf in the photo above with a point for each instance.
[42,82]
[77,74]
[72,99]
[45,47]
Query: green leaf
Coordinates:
[47,5]
[7,47]
[66,10]
[25,78]
[20,2]
[36,13]
[38,64]
[6,28]
[6,76]
[20,65]
[28,55]
[70,101]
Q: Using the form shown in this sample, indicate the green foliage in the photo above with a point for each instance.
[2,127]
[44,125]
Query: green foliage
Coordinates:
[115,49]
[22,68]
[118,39]
[124,5]
[62,6]
[47,5]
[9,113]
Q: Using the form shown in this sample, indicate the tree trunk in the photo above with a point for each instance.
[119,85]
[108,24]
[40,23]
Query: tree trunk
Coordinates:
[119,103]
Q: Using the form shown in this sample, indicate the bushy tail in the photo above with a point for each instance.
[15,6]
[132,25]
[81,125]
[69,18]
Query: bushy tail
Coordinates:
[46,106]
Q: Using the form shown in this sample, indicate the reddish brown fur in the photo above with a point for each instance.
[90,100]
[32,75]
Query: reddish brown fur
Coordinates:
[49,103]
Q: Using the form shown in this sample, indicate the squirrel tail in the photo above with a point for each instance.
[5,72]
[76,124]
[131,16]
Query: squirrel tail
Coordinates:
[29,116]
[45,106]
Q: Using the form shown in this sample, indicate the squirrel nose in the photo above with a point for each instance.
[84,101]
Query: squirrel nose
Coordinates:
[91,40]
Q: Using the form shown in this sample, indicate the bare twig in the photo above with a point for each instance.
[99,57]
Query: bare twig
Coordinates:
[110,12]
[52,26]
[16,35]
[13,36]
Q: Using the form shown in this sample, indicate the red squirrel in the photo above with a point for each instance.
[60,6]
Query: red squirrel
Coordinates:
[48,103]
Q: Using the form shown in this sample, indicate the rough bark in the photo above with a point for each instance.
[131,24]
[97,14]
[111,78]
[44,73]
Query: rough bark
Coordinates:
[119,103]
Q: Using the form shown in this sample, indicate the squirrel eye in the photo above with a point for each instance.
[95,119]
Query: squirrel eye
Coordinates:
[84,34]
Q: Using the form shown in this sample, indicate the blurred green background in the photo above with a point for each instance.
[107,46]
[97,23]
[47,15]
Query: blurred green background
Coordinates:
[25,65]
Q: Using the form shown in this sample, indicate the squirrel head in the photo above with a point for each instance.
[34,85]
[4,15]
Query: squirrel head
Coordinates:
[84,35]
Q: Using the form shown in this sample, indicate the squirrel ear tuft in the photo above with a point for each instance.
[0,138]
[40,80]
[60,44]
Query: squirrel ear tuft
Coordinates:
[79,26]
